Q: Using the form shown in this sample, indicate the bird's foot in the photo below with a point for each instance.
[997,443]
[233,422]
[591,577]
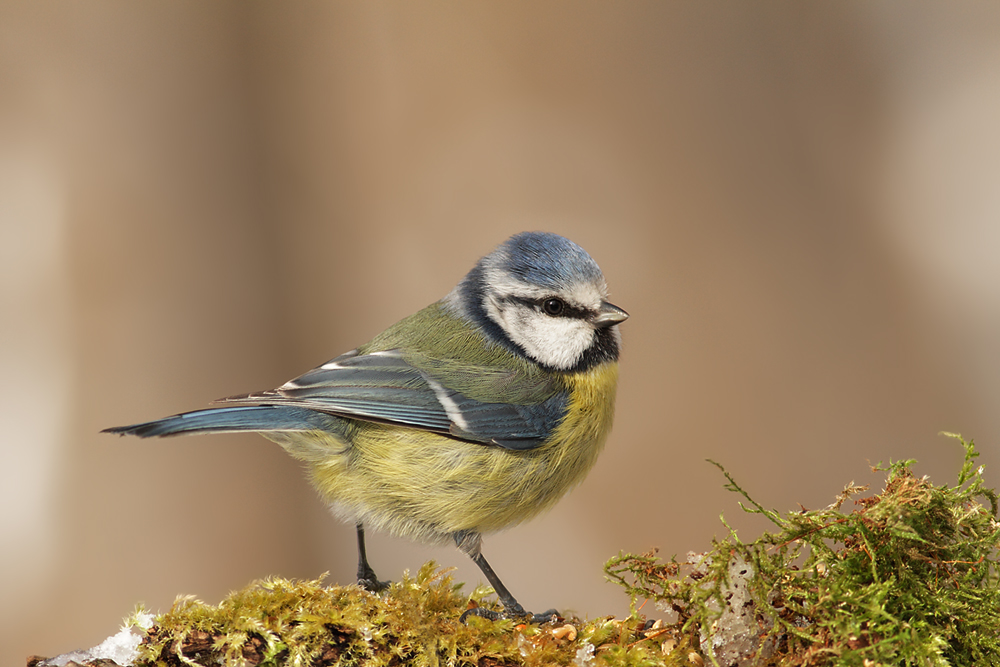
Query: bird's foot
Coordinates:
[370,582]
[515,612]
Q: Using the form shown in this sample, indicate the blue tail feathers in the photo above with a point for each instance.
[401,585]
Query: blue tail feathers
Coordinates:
[234,419]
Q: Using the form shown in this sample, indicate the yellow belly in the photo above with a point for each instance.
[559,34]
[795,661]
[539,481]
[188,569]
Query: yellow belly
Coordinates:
[426,486]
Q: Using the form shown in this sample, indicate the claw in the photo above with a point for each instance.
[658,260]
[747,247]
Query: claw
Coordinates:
[372,584]
[517,613]
[481,612]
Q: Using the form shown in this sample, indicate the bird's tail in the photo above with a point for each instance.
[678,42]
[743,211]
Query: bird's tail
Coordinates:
[263,418]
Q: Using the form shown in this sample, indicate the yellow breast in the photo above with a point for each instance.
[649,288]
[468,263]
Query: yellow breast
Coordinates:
[518,485]
[426,486]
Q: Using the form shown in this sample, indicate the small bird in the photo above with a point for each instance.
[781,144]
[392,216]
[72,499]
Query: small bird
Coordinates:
[469,416]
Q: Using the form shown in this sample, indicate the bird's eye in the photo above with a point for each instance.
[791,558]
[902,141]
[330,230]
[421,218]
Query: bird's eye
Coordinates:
[553,307]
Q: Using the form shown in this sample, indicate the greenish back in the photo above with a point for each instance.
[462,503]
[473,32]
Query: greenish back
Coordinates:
[458,356]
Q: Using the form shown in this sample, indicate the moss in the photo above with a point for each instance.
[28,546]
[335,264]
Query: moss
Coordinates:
[415,622]
[909,577]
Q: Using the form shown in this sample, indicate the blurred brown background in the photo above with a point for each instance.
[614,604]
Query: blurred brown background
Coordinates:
[799,204]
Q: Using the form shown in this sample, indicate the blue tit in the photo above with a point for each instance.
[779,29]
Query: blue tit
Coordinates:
[472,415]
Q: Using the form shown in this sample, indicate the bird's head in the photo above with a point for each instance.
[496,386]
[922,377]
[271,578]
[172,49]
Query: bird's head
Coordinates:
[542,296]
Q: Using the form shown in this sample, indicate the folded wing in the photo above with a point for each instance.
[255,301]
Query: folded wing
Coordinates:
[385,387]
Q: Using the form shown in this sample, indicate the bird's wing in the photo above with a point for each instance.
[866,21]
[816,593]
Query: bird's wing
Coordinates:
[384,387]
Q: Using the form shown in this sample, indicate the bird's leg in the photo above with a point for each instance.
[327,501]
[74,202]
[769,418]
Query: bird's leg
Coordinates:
[511,607]
[366,575]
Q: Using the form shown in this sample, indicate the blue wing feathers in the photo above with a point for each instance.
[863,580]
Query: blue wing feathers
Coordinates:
[225,420]
[499,423]
[379,387]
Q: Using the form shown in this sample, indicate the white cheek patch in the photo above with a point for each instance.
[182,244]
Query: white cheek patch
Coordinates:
[557,342]
[554,341]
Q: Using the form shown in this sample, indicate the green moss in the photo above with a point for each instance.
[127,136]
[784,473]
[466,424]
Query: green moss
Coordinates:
[910,577]
[415,622]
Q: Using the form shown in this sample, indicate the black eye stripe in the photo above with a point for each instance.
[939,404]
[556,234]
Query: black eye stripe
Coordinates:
[539,304]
